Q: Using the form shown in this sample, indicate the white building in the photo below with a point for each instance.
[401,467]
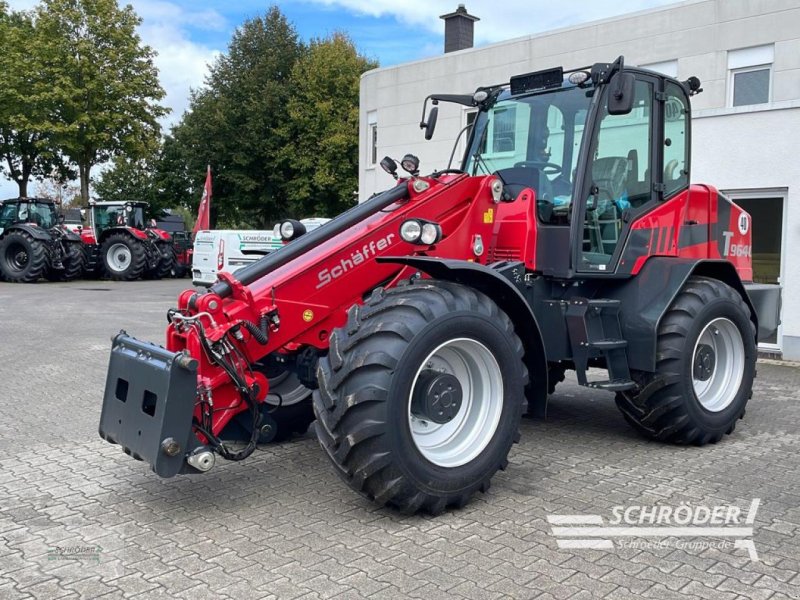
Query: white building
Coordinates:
[745,128]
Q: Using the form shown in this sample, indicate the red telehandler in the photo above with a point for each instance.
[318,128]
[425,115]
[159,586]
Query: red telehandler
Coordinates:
[424,318]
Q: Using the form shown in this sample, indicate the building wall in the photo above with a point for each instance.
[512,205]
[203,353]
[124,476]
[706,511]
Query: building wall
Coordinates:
[733,148]
[758,152]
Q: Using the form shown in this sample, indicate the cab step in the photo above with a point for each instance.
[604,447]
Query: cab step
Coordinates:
[612,385]
[608,344]
[594,333]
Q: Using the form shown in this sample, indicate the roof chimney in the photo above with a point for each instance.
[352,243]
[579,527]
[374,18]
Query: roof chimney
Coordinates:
[458,29]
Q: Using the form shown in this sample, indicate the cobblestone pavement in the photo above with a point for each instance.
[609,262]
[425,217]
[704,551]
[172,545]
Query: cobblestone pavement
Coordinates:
[78,518]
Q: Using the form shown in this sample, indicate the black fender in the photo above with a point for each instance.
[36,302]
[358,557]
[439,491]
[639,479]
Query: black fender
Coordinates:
[35,232]
[646,297]
[500,287]
[70,236]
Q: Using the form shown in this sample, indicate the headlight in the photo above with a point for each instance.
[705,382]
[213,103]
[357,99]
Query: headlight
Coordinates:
[410,164]
[416,231]
[291,229]
[287,230]
[431,233]
[410,231]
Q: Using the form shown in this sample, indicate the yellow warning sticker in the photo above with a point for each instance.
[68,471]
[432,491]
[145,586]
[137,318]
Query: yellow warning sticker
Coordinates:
[488,216]
[308,315]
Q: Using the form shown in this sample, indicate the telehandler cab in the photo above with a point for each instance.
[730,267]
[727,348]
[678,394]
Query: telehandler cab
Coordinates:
[569,237]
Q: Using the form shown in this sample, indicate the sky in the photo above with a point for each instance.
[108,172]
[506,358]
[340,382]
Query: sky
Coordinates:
[189,34]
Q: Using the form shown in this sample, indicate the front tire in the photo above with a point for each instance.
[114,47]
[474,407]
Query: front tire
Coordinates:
[706,356]
[23,259]
[421,395]
[124,257]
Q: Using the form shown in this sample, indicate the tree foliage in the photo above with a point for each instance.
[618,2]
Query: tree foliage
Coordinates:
[128,179]
[278,122]
[153,179]
[321,133]
[234,122]
[104,84]
[26,104]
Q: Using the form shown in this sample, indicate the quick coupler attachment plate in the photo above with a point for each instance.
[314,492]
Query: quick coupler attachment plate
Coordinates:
[148,403]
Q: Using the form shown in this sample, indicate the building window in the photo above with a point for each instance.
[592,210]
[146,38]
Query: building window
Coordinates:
[750,75]
[372,138]
[751,86]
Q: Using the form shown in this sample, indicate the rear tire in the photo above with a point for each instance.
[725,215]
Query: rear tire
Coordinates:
[706,356]
[178,270]
[74,263]
[123,257]
[290,402]
[166,262]
[23,259]
[376,407]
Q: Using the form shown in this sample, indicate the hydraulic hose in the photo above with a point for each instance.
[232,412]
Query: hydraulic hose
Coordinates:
[261,334]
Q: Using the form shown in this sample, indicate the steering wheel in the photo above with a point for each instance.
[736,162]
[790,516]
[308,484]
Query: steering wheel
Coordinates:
[542,165]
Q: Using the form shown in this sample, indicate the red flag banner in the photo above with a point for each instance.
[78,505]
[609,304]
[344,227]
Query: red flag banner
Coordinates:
[204,212]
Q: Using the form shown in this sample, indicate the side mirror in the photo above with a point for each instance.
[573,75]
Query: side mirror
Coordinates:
[430,126]
[620,93]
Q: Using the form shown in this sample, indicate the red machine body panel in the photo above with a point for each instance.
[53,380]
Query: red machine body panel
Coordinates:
[697,223]
[316,278]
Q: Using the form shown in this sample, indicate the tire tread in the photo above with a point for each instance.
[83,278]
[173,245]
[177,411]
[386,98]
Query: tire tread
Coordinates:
[354,381]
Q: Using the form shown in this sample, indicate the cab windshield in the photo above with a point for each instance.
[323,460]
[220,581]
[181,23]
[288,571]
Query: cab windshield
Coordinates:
[119,215]
[532,141]
[42,214]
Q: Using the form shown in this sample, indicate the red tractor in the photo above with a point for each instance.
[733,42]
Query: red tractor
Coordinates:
[424,319]
[120,245]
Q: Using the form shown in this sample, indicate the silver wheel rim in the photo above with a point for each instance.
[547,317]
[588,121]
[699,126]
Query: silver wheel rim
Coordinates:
[718,385]
[119,257]
[463,438]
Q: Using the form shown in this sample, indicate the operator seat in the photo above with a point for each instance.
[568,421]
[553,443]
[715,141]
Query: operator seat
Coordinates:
[610,175]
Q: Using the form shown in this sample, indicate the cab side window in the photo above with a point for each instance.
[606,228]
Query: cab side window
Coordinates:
[676,150]
[620,176]
[7,214]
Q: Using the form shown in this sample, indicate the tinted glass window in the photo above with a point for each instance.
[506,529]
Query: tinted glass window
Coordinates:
[532,142]
[676,148]
[621,177]
[751,87]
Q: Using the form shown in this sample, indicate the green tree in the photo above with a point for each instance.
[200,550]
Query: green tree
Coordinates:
[104,83]
[128,179]
[321,134]
[177,186]
[26,104]
[234,123]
